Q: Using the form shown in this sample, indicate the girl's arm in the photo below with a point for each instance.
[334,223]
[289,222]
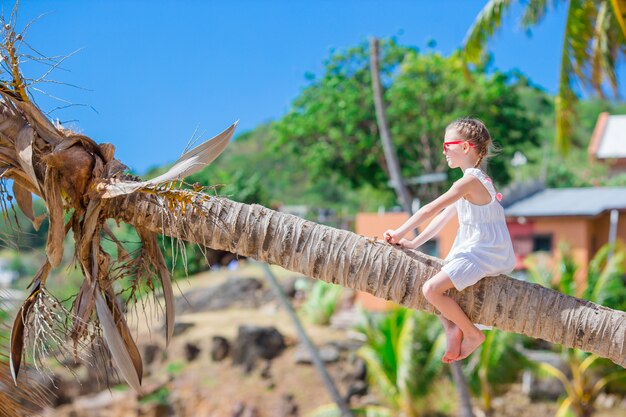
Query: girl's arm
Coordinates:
[432,229]
[458,190]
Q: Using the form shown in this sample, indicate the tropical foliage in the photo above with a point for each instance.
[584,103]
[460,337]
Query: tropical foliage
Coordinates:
[321,302]
[585,379]
[593,46]
[332,128]
[604,283]
[587,375]
[402,350]
[399,346]
[496,365]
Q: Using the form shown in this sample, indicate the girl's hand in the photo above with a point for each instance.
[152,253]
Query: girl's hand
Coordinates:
[409,244]
[391,236]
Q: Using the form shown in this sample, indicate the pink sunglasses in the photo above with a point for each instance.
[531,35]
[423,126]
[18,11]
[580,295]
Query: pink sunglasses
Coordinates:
[446,145]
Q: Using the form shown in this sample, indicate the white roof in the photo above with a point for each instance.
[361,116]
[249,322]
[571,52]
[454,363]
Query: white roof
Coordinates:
[569,202]
[613,140]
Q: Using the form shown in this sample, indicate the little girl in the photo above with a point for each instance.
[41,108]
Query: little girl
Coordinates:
[482,246]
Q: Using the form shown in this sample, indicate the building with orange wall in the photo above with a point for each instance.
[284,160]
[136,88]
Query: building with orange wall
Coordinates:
[578,217]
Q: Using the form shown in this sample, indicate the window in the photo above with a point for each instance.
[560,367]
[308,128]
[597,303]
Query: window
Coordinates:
[542,243]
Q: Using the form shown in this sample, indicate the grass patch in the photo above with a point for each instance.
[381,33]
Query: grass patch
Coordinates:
[175,368]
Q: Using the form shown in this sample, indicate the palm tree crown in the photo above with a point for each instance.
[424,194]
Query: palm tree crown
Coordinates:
[593,45]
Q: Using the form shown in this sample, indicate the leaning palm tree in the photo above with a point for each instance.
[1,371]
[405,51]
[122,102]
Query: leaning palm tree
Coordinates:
[83,186]
[593,45]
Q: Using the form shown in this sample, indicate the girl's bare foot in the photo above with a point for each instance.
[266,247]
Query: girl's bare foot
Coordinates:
[470,344]
[454,336]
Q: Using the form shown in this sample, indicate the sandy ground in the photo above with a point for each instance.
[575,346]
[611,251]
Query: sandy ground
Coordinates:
[207,388]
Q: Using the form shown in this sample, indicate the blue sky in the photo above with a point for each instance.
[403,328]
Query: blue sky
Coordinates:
[156,71]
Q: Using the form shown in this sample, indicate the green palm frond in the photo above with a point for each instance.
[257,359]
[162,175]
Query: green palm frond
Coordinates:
[366,324]
[545,369]
[587,377]
[566,98]
[604,381]
[604,50]
[538,267]
[498,364]
[564,408]
[418,354]
[579,33]
[587,363]
[402,351]
[433,364]
[408,365]
[567,271]
[604,283]
[536,10]
[593,42]
[487,22]
[378,376]
[396,321]
[618,8]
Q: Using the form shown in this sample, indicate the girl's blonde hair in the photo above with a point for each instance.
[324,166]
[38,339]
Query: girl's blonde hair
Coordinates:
[475,132]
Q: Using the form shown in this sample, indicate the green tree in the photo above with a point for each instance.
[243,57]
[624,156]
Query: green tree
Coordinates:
[604,283]
[587,377]
[332,127]
[429,92]
[593,45]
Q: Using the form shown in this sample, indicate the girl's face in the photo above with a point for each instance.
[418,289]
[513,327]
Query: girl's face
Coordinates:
[455,148]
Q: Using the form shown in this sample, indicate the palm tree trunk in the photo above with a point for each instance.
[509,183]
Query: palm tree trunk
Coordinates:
[393,166]
[462,390]
[356,262]
[342,404]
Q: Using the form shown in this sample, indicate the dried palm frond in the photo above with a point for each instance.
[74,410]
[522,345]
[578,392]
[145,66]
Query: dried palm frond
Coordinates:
[18,330]
[153,252]
[119,340]
[14,399]
[189,163]
[24,200]
[72,174]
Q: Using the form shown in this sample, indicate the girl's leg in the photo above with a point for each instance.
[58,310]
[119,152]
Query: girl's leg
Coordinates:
[435,292]
[454,336]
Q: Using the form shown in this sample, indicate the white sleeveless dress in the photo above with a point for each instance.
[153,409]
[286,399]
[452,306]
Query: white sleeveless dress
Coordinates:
[483,245]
